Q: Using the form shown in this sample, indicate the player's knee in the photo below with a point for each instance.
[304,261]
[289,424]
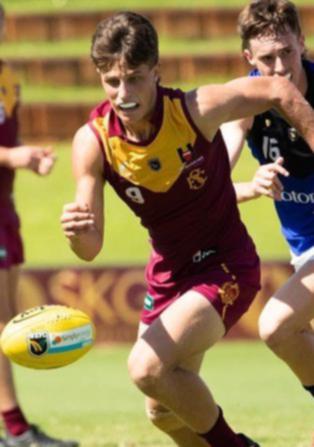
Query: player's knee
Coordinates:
[273,330]
[162,418]
[144,371]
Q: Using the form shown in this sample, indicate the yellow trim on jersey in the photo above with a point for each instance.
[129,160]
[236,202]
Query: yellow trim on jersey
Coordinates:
[156,166]
[8,89]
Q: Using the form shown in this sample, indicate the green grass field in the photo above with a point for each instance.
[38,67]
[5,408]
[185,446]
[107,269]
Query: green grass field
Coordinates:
[94,401]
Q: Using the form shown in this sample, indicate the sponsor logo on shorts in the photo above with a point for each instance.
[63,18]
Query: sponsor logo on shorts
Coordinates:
[3,253]
[149,303]
[38,343]
[200,255]
[228,292]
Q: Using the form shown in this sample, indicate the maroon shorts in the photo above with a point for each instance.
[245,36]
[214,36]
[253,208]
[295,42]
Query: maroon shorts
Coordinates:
[230,288]
[11,246]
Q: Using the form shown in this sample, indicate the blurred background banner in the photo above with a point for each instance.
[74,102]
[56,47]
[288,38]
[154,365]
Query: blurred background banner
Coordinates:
[198,22]
[51,48]
[113,296]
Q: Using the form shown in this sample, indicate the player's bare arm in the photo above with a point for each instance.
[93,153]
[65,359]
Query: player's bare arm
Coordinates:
[35,158]
[265,180]
[82,221]
[234,134]
[264,183]
[212,105]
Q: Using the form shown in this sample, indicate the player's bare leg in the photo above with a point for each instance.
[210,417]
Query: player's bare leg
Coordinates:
[165,420]
[170,424]
[187,328]
[7,394]
[285,323]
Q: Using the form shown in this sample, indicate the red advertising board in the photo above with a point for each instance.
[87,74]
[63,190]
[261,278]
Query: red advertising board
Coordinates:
[113,296]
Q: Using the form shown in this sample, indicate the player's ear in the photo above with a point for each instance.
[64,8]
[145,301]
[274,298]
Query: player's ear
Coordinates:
[157,72]
[248,56]
[302,42]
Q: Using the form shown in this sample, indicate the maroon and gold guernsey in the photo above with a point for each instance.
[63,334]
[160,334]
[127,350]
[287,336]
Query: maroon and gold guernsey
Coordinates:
[178,184]
[9,97]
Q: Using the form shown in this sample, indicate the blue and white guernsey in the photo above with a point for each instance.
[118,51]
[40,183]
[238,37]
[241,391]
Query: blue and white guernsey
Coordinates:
[271,137]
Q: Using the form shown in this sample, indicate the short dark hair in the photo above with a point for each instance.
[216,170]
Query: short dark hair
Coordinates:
[125,35]
[265,17]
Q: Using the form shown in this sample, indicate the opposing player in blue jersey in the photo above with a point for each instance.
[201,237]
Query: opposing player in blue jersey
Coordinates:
[273,44]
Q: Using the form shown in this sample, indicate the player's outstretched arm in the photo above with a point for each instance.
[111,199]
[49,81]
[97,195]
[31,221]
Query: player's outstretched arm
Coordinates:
[265,180]
[212,105]
[82,221]
[35,158]
[264,183]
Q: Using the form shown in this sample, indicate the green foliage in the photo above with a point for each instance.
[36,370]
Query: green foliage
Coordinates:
[167,45]
[64,5]
[81,47]
[62,94]
[94,401]
[91,95]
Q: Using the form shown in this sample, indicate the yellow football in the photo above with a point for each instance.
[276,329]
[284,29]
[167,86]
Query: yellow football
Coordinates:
[47,336]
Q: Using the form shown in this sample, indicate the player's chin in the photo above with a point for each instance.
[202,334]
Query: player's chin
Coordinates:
[130,116]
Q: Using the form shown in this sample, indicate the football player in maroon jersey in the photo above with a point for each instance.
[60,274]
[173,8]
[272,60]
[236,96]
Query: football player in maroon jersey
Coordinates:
[162,151]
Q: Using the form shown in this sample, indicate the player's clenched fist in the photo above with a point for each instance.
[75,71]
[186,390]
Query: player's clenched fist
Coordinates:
[37,159]
[76,219]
